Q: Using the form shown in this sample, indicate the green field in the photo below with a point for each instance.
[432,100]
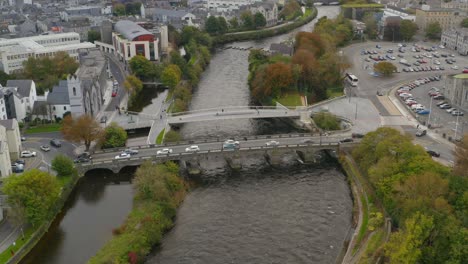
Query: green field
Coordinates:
[43,128]
[291,99]
[160,137]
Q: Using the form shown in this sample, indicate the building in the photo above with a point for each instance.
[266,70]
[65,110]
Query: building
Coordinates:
[173,17]
[227,5]
[13,137]
[66,97]
[455,4]
[26,89]
[281,48]
[13,52]
[456,91]
[456,39]
[15,105]
[130,39]
[447,18]
[5,160]
[268,9]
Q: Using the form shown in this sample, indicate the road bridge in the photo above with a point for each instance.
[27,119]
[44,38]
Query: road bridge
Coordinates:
[286,143]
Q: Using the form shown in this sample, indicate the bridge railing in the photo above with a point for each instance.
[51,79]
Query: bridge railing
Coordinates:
[188,142]
[188,154]
[226,109]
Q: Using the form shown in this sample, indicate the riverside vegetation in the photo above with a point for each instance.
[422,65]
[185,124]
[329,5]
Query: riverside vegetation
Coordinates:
[426,201]
[158,192]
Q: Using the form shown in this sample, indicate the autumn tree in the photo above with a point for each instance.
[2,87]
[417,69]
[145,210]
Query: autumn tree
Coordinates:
[34,193]
[83,129]
[461,157]
[433,30]
[133,85]
[291,10]
[408,29]
[385,68]
[171,76]
[272,81]
[233,22]
[119,9]
[247,20]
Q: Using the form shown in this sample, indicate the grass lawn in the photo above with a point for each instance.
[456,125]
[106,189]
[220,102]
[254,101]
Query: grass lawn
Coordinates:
[44,128]
[6,255]
[159,139]
[290,99]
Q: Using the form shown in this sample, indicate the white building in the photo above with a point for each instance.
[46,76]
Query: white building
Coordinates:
[456,91]
[130,39]
[66,97]
[456,39]
[13,137]
[17,99]
[5,160]
[228,5]
[13,52]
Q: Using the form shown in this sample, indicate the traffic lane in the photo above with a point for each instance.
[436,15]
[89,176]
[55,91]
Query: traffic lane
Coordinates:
[218,145]
[117,74]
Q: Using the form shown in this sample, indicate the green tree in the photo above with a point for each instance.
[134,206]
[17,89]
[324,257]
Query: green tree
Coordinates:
[233,22]
[291,10]
[94,35]
[408,29]
[133,85]
[212,25]
[384,67]
[4,78]
[464,23]
[247,20]
[119,9]
[63,165]
[171,76]
[404,246]
[461,157]
[222,25]
[143,68]
[326,121]
[433,30]
[172,136]
[35,192]
[259,20]
[114,136]
[371,25]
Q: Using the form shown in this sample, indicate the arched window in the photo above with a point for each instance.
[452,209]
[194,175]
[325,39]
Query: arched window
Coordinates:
[74,91]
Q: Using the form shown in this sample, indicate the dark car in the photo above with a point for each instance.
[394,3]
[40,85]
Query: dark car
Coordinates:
[85,155]
[357,135]
[433,153]
[81,160]
[346,140]
[56,143]
[421,133]
[104,119]
[20,161]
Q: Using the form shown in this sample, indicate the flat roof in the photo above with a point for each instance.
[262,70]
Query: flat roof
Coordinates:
[130,30]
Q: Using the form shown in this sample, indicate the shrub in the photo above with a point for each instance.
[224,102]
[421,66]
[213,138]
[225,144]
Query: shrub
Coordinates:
[326,121]
[63,165]
[172,136]
[114,136]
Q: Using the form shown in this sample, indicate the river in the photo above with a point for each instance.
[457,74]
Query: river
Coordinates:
[258,215]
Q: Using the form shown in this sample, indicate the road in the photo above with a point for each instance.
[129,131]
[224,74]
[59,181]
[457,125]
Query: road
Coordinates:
[44,159]
[210,146]
[119,75]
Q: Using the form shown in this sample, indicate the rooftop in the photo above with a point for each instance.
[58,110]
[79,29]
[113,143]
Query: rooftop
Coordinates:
[8,124]
[24,86]
[130,30]
[461,76]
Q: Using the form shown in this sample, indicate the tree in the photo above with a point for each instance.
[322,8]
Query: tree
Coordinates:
[326,121]
[94,35]
[233,22]
[247,20]
[4,78]
[63,165]
[408,29]
[82,129]
[259,20]
[119,9]
[461,157]
[211,25]
[464,23]
[171,76]
[143,68]
[114,136]
[272,81]
[290,11]
[222,25]
[433,30]
[133,85]
[172,136]
[371,25]
[384,67]
[35,193]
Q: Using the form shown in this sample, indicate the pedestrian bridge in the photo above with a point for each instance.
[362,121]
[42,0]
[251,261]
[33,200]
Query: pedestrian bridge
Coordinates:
[179,154]
[235,112]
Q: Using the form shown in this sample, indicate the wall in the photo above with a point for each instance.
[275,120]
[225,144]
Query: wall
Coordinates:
[14,141]
[5,164]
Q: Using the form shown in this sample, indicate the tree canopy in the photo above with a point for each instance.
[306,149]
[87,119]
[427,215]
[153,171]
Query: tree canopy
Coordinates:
[216,25]
[408,29]
[63,165]
[83,129]
[171,76]
[34,193]
[433,30]
[371,25]
[259,20]
[385,68]
[461,157]
[94,35]
[144,69]
[291,10]
[464,23]
[114,136]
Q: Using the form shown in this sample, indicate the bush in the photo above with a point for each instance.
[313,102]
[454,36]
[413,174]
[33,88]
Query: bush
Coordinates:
[326,121]
[63,165]
[114,136]
[172,136]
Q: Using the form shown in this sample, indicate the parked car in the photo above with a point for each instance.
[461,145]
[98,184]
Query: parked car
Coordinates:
[357,135]
[450,110]
[164,151]
[457,113]
[423,112]
[421,133]
[445,106]
[56,143]
[17,168]
[441,103]
[23,138]
[45,148]
[346,140]
[439,97]
[193,148]
[454,67]
[122,155]
[131,151]
[81,160]
[20,161]
[272,143]
[27,154]
[84,155]
[433,153]
[114,93]
[104,119]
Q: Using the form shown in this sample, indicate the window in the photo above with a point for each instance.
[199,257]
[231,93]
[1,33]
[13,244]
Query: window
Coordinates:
[53,108]
[74,91]
[65,108]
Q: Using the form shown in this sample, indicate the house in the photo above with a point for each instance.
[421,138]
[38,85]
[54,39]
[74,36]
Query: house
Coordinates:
[27,90]
[281,48]
[447,18]
[456,40]
[13,137]
[5,160]
[173,17]
[66,97]
[268,9]
[15,104]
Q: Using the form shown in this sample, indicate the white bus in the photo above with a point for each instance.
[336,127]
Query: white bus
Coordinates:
[351,79]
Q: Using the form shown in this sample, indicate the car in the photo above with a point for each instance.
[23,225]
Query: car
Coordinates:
[441,103]
[56,143]
[346,140]
[193,148]
[104,119]
[410,103]
[116,83]
[421,133]
[433,153]
[379,93]
[84,155]
[164,151]
[307,141]
[423,112]
[450,110]
[231,141]
[400,56]
[130,151]
[81,160]
[272,143]
[20,161]
[367,59]
[446,106]
[465,71]
[27,154]
[122,155]
[231,144]
[442,69]
[114,93]
[378,46]
[436,62]
[45,148]
[439,97]
[17,168]
[417,106]
[357,135]
[457,113]
[454,67]
[23,138]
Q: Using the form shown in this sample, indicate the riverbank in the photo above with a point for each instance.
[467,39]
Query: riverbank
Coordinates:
[265,33]
[159,191]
